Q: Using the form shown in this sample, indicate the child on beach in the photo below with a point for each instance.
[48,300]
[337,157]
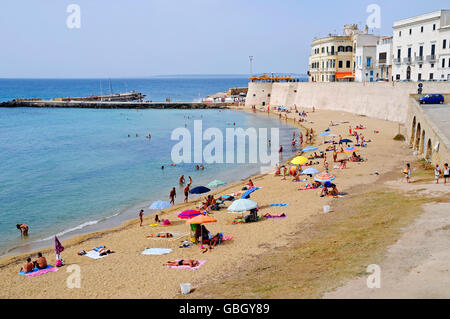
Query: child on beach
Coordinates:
[284,172]
[437,173]
[407,172]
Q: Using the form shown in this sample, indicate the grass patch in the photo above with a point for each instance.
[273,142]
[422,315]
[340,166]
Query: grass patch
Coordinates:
[339,246]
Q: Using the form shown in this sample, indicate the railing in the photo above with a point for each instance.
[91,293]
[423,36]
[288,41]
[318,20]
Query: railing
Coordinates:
[407,60]
[419,58]
[431,58]
[397,61]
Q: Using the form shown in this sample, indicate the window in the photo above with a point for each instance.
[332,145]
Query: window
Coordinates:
[399,53]
[421,29]
[341,48]
[397,77]
[348,64]
[419,76]
[432,65]
[340,64]
[399,33]
[443,63]
[409,52]
[449,64]
[433,49]
[410,31]
[323,49]
[369,61]
[421,51]
[431,76]
[348,48]
[420,66]
[434,27]
[332,50]
[444,44]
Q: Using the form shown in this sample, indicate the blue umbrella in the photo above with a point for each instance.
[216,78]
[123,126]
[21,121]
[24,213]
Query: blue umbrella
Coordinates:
[345,140]
[159,205]
[324,134]
[310,171]
[199,190]
[248,192]
[310,148]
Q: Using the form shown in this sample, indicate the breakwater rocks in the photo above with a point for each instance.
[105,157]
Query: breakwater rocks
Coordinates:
[115,105]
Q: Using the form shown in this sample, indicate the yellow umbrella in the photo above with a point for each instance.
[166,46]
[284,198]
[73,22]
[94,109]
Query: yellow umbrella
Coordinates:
[299,160]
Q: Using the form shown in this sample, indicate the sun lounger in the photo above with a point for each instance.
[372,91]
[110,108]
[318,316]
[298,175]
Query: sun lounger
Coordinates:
[38,272]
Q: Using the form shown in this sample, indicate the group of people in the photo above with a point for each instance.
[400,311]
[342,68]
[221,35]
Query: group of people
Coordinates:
[437,173]
[40,263]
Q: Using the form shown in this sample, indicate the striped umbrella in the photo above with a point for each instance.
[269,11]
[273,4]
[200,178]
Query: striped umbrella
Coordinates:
[188,214]
[201,220]
[309,149]
[351,149]
[324,177]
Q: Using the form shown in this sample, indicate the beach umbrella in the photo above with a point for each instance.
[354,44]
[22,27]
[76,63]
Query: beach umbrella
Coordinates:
[324,177]
[310,171]
[324,134]
[58,246]
[202,219]
[199,190]
[188,214]
[160,205]
[241,205]
[299,160]
[345,140]
[351,149]
[329,184]
[248,192]
[310,148]
[216,183]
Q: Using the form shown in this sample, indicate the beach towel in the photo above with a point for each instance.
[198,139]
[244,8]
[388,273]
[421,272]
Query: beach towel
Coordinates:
[305,189]
[176,235]
[156,251]
[279,205]
[201,263]
[275,216]
[94,254]
[224,238]
[37,271]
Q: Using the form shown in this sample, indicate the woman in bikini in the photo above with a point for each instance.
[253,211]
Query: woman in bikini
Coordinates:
[182,262]
[160,235]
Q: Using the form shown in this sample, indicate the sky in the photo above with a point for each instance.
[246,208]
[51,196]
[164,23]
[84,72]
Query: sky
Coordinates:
[144,38]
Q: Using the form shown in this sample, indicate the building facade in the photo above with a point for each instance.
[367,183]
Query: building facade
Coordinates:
[421,47]
[331,57]
[364,58]
[384,59]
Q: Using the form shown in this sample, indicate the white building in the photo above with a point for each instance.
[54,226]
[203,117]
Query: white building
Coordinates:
[365,57]
[384,59]
[421,47]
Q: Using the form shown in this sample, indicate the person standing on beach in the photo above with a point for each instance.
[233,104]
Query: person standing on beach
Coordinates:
[23,229]
[172,195]
[284,172]
[350,130]
[181,180]
[446,172]
[437,173]
[141,215]
[281,149]
[407,173]
[186,193]
[190,181]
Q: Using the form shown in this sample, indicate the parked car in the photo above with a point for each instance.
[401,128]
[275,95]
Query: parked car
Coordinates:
[432,99]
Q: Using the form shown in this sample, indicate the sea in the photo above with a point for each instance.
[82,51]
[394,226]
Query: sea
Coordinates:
[67,172]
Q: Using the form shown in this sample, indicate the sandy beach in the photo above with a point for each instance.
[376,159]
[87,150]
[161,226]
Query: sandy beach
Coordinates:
[128,274]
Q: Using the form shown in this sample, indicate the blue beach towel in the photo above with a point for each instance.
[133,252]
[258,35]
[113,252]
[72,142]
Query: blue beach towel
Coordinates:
[35,270]
[279,205]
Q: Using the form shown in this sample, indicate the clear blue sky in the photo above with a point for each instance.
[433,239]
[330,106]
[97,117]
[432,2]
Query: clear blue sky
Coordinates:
[140,38]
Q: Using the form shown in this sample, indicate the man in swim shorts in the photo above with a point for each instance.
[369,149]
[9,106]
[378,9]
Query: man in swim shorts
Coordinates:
[23,229]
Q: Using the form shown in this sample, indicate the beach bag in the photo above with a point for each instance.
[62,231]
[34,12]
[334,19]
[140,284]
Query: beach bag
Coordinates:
[59,263]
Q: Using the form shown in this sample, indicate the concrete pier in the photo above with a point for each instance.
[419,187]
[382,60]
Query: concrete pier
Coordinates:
[114,105]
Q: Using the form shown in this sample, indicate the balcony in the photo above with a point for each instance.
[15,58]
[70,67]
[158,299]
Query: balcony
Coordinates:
[431,58]
[397,61]
[407,60]
[382,62]
[419,59]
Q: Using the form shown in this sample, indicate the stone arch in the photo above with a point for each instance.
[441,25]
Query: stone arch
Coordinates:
[429,152]
[417,138]
[422,143]
[413,131]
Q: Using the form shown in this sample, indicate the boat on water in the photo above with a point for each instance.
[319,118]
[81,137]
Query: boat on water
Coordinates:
[117,97]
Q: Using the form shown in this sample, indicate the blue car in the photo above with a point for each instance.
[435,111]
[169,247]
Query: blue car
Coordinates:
[432,99]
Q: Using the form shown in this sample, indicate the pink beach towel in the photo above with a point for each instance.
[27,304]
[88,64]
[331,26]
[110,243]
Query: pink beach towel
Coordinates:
[227,237]
[42,272]
[201,263]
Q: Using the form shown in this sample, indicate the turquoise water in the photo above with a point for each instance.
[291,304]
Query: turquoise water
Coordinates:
[64,169]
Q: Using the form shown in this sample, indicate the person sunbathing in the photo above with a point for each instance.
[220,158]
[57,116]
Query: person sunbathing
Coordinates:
[324,192]
[268,215]
[182,262]
[334,191]
[160,235]
[278,171]
[216,240]
[104,251]
[28,266]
